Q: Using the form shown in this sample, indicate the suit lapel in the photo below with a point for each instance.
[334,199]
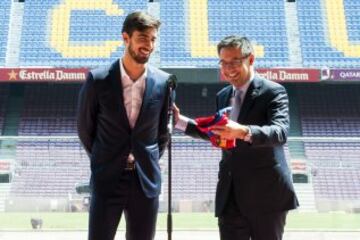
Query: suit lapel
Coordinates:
[249,99]
[149,85]
[224,100]
[115,78]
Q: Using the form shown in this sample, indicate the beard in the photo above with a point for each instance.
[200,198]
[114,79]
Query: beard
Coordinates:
[139,59]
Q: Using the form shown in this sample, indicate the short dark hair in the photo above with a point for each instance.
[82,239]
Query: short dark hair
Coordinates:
[139,21]
[243,43]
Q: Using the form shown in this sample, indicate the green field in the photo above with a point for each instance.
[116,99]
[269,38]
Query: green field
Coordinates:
[182,221]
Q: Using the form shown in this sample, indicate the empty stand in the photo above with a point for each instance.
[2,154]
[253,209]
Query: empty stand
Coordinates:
[73,33]
[4,91]
[332,111]
[49,168]
[337,183]
[49,110]
[193,28]
[194,169]
[53,168]
[4,26]
[329,110]
[197,100]
[79,33]
[329,32]
[336,126]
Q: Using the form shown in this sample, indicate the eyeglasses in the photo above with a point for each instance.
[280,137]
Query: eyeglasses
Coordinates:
[234,63]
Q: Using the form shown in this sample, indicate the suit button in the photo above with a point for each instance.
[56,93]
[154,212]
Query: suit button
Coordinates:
[229,173]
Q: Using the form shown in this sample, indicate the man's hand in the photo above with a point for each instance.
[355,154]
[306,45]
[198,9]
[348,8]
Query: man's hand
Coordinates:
[231,130]
[176,112]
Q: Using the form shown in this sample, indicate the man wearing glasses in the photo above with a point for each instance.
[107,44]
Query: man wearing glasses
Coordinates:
[254,190]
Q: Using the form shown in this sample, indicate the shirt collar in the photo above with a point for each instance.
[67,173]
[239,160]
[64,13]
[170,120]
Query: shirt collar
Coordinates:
[124,74]
[244,87]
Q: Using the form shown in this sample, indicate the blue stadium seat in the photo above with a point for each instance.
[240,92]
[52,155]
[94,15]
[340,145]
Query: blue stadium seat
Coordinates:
[224,18]
[88,27]
[4,26]
[315,33]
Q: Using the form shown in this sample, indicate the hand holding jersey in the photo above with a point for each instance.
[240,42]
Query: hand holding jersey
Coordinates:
[206,124]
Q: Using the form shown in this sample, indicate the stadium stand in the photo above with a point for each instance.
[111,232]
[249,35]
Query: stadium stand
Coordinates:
[89,34]
[202,164]
[78,33]
[338,154]
[3,99]
[204,105]
[329,31]
[4,26]
[73,33]
[49,110]
[330,110]
[190,34]
[49,168]
[337,183]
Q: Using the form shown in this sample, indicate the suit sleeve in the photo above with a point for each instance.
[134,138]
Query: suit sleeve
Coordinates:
[163,136]
[276,130]
[193,131]
[86,114]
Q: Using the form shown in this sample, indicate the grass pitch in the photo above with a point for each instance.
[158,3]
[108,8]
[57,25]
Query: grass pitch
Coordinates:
[20,221]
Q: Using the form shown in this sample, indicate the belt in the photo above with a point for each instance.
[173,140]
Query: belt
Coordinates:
[130,163]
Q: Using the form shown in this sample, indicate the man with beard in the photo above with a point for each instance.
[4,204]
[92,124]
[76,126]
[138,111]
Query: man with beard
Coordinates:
[122,124]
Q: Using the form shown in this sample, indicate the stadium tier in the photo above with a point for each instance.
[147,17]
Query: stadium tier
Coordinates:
[335,168]
[329,32]
[335,127]
[190,33]
[3,100]
[204,105]
[329,110]
[332,111]
[4,26]
[49,110]
[335,154]
[83,33]
[49,169]
[194,170]
[337,183]
[73,33]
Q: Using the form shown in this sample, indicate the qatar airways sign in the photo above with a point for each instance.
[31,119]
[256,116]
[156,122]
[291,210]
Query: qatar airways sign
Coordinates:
[348,75]
[43,74]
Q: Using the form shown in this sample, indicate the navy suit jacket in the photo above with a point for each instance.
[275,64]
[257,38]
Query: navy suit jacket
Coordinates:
[105,133]
[257,171]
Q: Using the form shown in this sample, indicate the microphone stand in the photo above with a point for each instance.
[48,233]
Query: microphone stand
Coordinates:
[170,129]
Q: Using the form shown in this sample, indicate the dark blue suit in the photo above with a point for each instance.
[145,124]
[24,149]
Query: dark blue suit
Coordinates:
[254,179]
[105,133]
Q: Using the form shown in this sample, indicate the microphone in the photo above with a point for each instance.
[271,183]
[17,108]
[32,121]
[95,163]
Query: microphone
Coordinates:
[171,83]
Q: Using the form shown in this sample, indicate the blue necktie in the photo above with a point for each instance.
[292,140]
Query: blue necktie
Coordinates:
[236,105]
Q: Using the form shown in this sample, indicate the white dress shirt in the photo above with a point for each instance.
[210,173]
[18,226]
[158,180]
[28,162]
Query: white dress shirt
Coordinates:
[133,92]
